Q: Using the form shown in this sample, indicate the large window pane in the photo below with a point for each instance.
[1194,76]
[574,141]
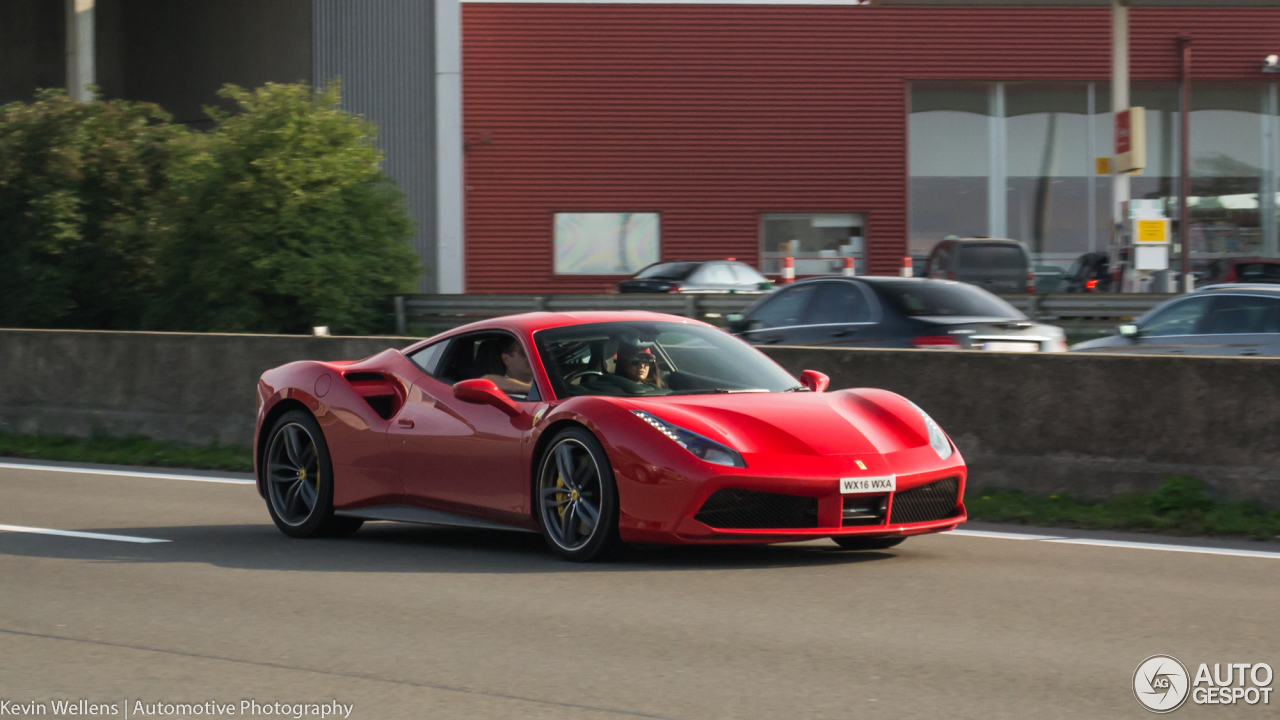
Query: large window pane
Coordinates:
[605,243]
[1227,165]
[819,242]
[950,157]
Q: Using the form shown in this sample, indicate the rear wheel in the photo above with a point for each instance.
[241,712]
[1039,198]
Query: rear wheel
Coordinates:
[299,480]
[853,542]
[577,498]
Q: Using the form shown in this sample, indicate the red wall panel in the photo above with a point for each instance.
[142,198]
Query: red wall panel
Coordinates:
[713,115]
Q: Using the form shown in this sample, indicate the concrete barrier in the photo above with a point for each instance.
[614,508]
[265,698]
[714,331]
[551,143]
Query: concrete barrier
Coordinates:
[175,387]
[1092,425]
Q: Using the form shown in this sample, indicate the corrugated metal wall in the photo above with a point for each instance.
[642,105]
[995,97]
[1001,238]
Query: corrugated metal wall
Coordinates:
[713,115]
[383,52]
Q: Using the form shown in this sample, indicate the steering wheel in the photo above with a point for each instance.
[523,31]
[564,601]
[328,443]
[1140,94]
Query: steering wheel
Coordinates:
[581,374]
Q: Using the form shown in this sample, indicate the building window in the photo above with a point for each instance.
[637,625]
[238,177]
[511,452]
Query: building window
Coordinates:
[819,242]
[1015,160]
[614,243]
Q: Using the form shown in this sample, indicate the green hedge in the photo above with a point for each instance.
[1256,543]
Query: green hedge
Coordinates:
[276,220]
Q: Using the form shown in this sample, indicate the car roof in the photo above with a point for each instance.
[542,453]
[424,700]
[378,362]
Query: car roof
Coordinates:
[1007,241]
[1239,287]
[529,323]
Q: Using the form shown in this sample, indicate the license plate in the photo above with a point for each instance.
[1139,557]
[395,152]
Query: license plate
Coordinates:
[1011,346]
[863,485]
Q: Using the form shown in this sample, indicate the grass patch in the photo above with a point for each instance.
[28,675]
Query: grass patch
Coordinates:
[1181,506]
[126,451]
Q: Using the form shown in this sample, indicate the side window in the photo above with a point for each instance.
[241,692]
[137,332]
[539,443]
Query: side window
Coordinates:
[838,302]
[784,309]
[479,355]
[429,357]
[1238,314]
[1180,318]
[940,262]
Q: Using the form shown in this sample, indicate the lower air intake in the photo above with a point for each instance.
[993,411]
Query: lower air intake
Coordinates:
[733,509]
[934,501]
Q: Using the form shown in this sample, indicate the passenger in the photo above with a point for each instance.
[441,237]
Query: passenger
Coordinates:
[639,365]
[519,376]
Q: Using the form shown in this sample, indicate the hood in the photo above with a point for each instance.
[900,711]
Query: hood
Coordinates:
[846,422]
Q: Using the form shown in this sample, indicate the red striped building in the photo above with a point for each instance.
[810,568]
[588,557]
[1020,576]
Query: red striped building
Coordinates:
[718,117]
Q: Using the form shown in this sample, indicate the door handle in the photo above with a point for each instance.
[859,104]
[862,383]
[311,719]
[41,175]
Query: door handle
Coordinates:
[843,332]
[405,423]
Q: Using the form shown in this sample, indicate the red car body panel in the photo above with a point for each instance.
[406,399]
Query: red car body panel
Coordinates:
[434,451]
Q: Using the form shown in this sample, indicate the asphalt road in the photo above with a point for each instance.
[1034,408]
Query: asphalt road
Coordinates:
[418,622]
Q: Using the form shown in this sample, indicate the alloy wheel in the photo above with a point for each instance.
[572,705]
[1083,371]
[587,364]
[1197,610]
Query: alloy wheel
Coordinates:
[569,494]
[293,474]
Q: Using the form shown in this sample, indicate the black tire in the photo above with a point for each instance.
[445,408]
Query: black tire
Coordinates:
[854,542]
[557,505]
[299,480]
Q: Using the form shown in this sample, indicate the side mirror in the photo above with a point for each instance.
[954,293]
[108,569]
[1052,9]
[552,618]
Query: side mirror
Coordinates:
[484,392]
[814,380]
[1128,330]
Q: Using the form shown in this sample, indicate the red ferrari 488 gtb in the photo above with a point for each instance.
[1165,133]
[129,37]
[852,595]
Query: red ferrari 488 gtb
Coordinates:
[597,429]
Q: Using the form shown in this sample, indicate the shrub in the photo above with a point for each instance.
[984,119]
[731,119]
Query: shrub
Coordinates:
[281,219]
[78,186]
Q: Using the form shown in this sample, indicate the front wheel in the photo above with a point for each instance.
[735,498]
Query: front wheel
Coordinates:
[577,498]
[854,542]
[299,480]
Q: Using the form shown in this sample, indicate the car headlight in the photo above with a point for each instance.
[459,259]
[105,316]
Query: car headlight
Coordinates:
[937,439]
[703,448]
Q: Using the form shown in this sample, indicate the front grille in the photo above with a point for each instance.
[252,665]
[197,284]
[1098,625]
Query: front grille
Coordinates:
[734,509]
[863,510]
[934,501]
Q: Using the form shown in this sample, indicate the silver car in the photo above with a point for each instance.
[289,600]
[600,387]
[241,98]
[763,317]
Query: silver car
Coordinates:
[1235,319]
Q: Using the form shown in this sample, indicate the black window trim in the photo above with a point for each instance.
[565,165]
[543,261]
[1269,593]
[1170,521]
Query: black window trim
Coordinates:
[448,353]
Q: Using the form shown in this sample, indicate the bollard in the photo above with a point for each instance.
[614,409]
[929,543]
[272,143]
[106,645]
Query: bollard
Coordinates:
[906,268]
[788,270]
[849,269]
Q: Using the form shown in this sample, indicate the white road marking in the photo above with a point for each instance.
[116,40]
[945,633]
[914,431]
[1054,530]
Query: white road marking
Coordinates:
[128,473]
[1170,548]
[1117,544]
[1003,535]
[78,534]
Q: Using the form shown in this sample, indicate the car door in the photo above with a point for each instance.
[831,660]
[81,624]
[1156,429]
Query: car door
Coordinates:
[1244,325]
[778,319]
[838,315]
[457,456]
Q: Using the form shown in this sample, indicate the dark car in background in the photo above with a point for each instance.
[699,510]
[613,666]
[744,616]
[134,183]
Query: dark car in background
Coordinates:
[1233,319]
[1091,272]
[1242,270]
[888,312]
[993,264]
[707,277]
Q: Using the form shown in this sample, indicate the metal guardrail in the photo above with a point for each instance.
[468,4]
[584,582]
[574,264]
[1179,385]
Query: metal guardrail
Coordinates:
[1084,312]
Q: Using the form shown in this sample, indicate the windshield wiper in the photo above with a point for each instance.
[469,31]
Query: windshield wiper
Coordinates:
[798,388]
[720,391]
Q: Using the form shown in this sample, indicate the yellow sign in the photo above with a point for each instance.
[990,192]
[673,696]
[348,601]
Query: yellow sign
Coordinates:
[1102,166]
[1153,231]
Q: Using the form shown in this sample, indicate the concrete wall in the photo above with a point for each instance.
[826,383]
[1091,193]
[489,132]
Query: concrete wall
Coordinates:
[1092,425]
[184,388]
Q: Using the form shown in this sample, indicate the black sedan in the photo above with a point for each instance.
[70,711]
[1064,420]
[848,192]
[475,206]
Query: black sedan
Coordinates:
[890,312]
[707,277]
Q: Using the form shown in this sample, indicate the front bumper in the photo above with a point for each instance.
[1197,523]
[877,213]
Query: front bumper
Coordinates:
[813,482]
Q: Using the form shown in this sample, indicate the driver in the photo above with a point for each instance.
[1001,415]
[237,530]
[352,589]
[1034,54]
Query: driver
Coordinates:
[519,376]
[638,364]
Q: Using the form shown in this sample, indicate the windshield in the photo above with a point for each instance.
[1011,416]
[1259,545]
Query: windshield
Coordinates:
[954,299]
[633,359]
[667,271]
